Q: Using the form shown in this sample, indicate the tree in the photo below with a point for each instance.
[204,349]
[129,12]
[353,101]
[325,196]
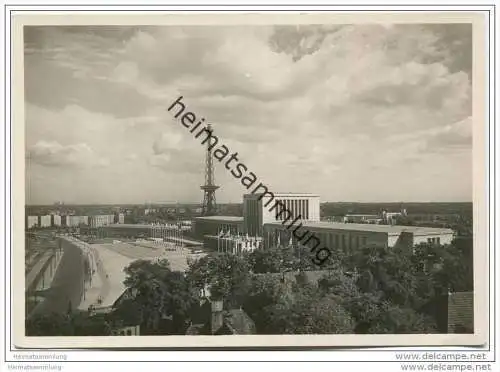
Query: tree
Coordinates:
[385,292]
[52,324]
[158,293]
[404,221]
[362,306]
[272,260]
[140,271]
[394,319]
[181,298]
[225,274]
[338,282]
[308,311]
[85,325]
[199,272]
[388,271]
[76,324]
[459,264]
[444,267]
[263,290]
[145,278]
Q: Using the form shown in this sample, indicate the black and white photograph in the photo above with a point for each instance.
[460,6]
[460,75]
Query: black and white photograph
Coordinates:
[228,178]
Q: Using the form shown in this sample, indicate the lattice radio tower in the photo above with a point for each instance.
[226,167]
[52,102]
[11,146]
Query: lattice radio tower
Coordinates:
[209,204]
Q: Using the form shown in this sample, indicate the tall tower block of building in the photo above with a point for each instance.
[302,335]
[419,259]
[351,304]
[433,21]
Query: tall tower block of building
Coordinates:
[209,204]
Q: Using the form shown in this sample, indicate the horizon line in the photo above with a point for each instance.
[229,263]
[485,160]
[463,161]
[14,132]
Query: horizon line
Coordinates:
[223,203]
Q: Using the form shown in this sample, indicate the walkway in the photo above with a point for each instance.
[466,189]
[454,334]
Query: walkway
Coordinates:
[99,284]
[110,265]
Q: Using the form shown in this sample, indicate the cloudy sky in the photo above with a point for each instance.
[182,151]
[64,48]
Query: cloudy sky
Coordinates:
[352,113]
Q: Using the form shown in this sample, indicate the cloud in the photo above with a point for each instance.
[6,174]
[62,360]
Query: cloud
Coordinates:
[131,157]
[174,153]
[53,154]
[176,165]
[169,141]
[453,137]
[339,103]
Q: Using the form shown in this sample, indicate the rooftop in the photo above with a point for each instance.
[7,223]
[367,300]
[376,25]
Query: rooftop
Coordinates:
[461,312]
[129,225]
[135,225]
[390,229]
[362,215]
[235,237]
[221,218]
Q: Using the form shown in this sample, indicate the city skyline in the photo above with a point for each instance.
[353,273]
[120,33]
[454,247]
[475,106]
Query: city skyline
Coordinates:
[353,113]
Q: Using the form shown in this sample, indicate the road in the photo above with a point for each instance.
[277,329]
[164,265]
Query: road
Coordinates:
[110,261]
[66,285]
[35,270]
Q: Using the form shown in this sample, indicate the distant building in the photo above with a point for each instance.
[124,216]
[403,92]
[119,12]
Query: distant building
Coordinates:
[74,221]
[214,225]
[260,209]
[120,218]
[125,231]
[172,232]
[391,217]
[149,211]
[56,220]
[32,221]
[101,220]
[45,221]
[362,218]
[231,244]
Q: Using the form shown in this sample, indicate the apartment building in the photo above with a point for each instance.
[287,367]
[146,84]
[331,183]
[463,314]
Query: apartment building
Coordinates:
[45,221]
[74,221]
[31,221]
[101,220]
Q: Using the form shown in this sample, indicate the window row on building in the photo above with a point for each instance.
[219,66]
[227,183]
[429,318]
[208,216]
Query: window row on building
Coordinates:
[297,208]
[434,240]
[344,241]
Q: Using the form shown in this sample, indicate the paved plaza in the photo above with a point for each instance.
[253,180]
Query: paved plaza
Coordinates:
[109,260]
